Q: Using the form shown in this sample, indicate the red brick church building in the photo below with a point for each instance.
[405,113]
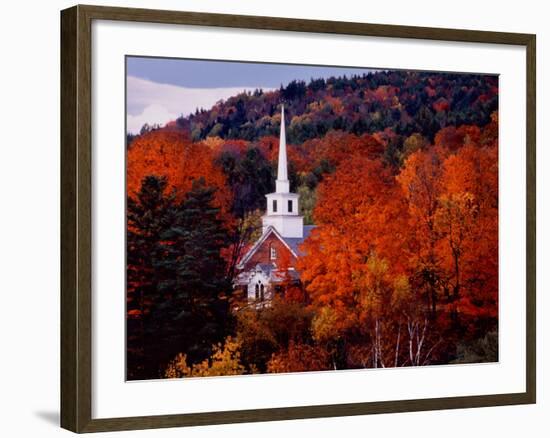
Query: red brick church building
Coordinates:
[261,269]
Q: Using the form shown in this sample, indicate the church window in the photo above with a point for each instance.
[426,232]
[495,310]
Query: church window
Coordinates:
[290,206]
[272,253]
[275,206]
[257,290]
[261,292]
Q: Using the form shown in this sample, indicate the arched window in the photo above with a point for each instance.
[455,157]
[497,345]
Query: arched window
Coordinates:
[261,292]
[257,290]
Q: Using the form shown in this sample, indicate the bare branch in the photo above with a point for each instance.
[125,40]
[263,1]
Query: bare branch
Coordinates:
[426,358]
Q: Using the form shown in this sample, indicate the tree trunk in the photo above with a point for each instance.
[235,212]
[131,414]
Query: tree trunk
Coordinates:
[456,291]
[397,346]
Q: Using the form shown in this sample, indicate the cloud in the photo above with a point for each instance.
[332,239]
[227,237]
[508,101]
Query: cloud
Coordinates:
[151,102]
[152,114]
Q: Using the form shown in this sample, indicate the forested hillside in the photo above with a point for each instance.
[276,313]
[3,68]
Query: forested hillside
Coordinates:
[405,102]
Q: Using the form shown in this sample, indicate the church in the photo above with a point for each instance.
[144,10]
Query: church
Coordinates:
[272,259]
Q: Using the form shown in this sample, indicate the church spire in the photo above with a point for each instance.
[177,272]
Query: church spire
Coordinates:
[281,184]
[283,211]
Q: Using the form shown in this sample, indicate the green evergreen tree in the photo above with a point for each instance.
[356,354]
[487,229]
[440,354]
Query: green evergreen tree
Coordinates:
[195,313]
[148,217]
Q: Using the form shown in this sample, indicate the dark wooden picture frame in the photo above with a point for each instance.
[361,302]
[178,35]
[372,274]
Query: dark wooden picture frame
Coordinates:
[76,217]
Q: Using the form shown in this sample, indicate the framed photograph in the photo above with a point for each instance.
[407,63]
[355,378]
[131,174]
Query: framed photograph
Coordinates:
[268,219]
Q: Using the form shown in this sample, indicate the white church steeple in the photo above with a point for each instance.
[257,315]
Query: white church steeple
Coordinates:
[282,206]
[281,184]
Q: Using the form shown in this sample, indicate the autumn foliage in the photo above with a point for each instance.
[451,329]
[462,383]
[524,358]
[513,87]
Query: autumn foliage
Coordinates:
[401,268]
[173,156]
[396,254]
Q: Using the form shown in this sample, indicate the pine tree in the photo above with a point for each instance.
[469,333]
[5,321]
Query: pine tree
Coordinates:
[196,311]
[147,218]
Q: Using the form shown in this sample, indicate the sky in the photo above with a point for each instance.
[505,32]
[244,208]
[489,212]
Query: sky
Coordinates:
[161,89]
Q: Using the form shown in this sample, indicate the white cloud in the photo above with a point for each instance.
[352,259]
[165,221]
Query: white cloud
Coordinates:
[152,114]
[151,102]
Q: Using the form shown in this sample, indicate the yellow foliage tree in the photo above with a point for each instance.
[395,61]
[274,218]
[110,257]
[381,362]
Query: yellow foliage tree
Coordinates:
[225,361]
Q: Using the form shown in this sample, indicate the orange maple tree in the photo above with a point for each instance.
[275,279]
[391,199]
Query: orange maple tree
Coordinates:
[360,218]
[173,155]
[467,219]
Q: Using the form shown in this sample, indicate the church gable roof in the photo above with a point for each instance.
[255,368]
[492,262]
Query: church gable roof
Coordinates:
[292,243]
[271,231]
